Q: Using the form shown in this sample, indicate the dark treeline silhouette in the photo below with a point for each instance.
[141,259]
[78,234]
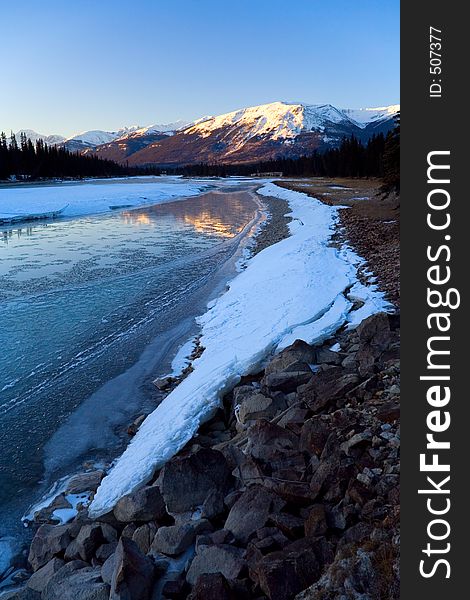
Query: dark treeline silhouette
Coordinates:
[351,159]
[27,161]
[391,159]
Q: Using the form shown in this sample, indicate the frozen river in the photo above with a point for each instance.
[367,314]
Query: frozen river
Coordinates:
[91,309]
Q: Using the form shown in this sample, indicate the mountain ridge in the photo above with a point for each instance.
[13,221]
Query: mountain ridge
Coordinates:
[261,132]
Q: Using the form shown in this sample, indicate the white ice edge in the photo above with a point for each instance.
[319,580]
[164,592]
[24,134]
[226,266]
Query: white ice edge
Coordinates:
[293,289]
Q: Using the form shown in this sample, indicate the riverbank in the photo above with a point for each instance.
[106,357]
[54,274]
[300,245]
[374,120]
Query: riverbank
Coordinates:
[286,487]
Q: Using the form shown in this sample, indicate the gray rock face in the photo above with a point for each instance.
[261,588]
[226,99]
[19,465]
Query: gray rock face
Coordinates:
[186,482]
[287,381]
[176,539]
[133,573]
[75,582]
[143,505]
[49,541]
[223,559]
[251,511]
[39,579]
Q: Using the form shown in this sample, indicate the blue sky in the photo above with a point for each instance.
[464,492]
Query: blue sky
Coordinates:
[70,65]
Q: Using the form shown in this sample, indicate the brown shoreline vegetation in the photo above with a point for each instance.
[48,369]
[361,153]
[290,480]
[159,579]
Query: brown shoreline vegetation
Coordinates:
[291,491]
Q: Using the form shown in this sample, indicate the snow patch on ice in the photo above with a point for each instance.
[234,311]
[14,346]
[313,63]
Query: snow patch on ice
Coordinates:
[91,198]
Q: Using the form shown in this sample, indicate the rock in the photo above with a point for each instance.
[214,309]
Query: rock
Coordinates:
[213,505]
[290,357]
[314,434]
[107,569]
[87,541]
[257,406]
[361,439]
[290,525]
[315,525]
[375,338]
[212,586]
[327,387]
[251,511]
[286,381]
[39,579]
[133,573]
[84,482]
[282,575]
[163,383]
[223,559]
[389,412]
[174,589]
[144,535]
[327,356]
[187,481]
[75,582]
[104,551]
[267,441]
[135,425]
[176,539]
[146,504]
[49,541]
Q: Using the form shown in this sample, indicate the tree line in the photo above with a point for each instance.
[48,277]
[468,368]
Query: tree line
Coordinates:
[23,159]
[379,157]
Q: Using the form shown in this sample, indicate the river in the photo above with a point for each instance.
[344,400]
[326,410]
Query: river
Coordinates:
[92,309]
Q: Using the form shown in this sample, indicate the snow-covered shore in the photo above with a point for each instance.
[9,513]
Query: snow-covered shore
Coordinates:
[299,288]
[80,199]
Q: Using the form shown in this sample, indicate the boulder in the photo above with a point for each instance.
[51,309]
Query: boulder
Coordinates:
[257,406]
[39,579]
[223,559]
[286,381]
[314,434]
[144,505]
[87,541]
[133,573]
[75,582]
[251,511]
[175,539]
[213,505]
[84,482]
[144,535]
[49,541]
[291,357]
[267,441]
[283,575]
[187,481]
[375,337]
[315,524]
[327,387]
[212,586]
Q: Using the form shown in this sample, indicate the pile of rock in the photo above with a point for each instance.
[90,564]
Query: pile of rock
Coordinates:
[291,491]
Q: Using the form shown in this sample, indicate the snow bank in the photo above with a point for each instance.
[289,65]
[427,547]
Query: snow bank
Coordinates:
[91,198]
[292,289]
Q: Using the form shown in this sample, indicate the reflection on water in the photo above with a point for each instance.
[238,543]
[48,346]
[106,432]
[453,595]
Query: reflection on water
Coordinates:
[79,302]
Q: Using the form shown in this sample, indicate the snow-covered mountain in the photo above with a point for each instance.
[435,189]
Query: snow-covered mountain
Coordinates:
[34,136]
[249,134]
[89,140]
[261,133]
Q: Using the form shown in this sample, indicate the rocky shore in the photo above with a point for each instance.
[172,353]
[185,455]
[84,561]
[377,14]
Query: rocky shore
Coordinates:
[290,492]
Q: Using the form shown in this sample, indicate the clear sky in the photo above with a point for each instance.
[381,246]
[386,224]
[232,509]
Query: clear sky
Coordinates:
[70,65]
